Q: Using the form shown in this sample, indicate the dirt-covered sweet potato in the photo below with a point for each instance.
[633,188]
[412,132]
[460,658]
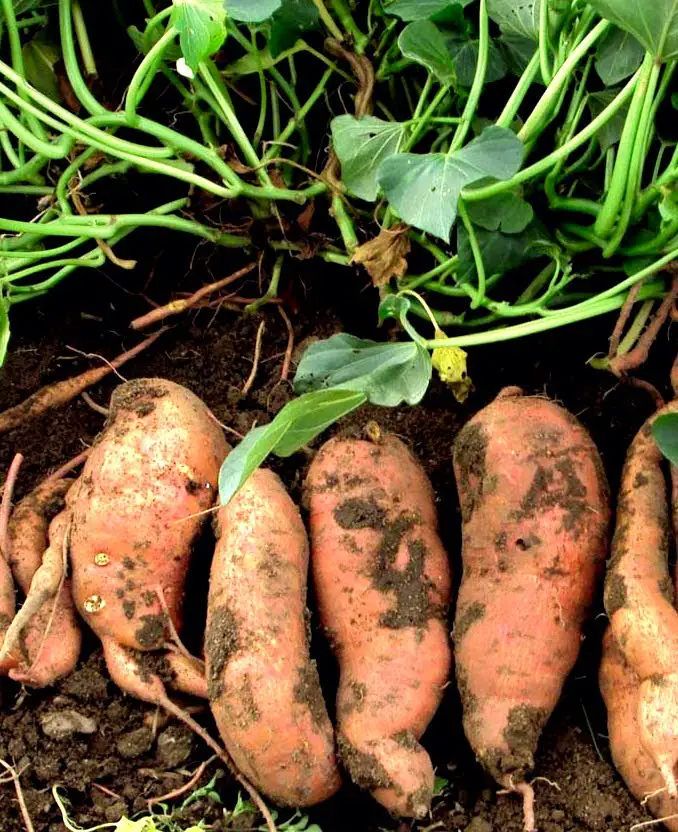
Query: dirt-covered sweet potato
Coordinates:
[535,514]
[264,688]
[382,580]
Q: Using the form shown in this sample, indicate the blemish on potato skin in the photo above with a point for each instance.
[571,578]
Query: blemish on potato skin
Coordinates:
[129,609]
[466,618]
[151,633]
[615,593]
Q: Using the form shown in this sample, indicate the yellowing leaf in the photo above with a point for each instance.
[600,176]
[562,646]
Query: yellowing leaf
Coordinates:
[143,825]
[450,362]
[385,256]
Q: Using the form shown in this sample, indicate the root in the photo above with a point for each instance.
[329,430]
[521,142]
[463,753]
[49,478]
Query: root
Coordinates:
[97,408]
[176,307]
[527,793]
[6,505]
[65,469]
[44,586]
[181,715]
[257,357]
[177,643]
[647,823]
[287,362]
[185,788]
[636,357]
[19,795]
[61,393]
[622,321]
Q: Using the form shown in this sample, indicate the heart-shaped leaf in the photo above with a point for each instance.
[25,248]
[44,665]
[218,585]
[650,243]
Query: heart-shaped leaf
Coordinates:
[507,212]
[424,189]
[653,22]
[409,10]
[619,56]
[388,374]
[665,432]
[292,20]
[517,17]
[362,145]
[251,11]
[202,28]
[424,43]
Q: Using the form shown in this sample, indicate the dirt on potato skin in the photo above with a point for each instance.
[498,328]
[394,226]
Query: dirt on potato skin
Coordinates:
[210,352]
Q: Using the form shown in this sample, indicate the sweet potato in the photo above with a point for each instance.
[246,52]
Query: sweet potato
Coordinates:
[135,512]
[383,586]
[264,689]
[639,598]
[535,512]
[7,608]
[620,687]
[129,525]
[51,642]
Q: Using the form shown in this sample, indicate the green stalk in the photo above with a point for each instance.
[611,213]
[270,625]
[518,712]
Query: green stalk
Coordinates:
[615,195]
[272,291]
[212,79]
[147,66]
[52,150]
[637,163]
[8,148]
[27,190]
[345,224]
[26,172]
[17,58]
[544,58]
[563,152]
[517,97]
[83,40]
[540,115]
[343,12]
[636,328]
[328,21]
[293,123]
[422,123]
[478,296]
[478,80]
[75,78]
[291,94]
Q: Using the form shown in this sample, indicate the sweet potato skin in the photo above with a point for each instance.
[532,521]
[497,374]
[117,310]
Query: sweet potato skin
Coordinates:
[620,687]
[51,643]
[535,514]
[639,597]
[7,608]
[264,689]
[382,581]
[155,465]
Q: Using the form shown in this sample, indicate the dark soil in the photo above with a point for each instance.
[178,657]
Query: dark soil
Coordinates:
[131,753]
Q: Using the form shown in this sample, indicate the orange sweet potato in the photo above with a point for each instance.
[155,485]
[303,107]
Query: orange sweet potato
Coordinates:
[639,598]
[264,689]
[383,585]
[51,642]
[620,687]
[535,513]
[7,608]
[134,513]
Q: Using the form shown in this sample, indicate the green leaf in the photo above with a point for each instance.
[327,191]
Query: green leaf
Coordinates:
[292,20]
[653,22]
[388,374]
[251,11]
[508,213]
[295,425]
[40,57]
[517,51]
[409,10]
[313,413]
[516,17]
[424,189]
[500,252]
[610,133]
[361,146]
[619,55]
[423,42]
[464,54]
[202,28]
[665,432]
[21,7]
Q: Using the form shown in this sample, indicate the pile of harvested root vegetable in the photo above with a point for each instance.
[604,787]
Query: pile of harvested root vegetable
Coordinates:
[112,548]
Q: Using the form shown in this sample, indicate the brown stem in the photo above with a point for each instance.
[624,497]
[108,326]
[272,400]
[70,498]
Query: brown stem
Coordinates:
[255,363]
[287,362]
[20,796]
[176,307]
[622,320]
[182,789]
